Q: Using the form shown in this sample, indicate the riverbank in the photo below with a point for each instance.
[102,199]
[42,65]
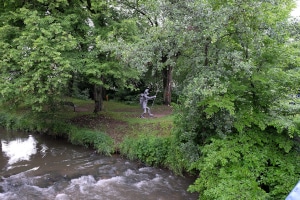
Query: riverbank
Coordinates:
[147,140]
[118,128]
[120,120]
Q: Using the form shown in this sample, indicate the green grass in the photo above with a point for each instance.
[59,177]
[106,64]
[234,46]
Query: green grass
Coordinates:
[123,119]
[130,114]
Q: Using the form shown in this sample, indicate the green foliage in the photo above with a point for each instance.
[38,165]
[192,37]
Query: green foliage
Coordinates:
[155,150]
[81,94]
[89,138]
[236,64]
[53,125]
[237,82]
[252,165]
[22,121]
[47,46]
[7,120]
[116,72]
[151,150]
[126,96]
[35,69]
[176,159]
[239,74]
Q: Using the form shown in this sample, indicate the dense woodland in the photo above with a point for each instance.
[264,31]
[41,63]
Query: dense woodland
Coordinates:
[230,68]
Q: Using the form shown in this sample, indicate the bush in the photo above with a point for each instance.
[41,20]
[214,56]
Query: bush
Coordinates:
[253,165]
[57,127]
[156,151]
[6,120]
[88,138]
[24,121]
[176,160]
[83,94]
[149,149]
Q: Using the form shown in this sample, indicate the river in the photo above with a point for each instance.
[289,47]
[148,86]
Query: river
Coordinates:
[39,167]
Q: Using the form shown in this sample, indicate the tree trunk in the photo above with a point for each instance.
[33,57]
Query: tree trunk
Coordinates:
[98,98]
[167,83]
[206,48]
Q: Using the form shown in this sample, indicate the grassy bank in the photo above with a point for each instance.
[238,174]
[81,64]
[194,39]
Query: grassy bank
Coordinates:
[117,128]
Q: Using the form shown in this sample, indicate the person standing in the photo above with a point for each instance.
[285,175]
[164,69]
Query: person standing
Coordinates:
[144,101]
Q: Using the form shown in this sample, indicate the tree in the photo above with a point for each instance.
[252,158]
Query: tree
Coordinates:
[100,65]
[237,79]
[34,41]
[47,46]
[239,64]
[156,47]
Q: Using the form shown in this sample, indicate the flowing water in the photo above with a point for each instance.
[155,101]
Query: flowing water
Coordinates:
[40,167]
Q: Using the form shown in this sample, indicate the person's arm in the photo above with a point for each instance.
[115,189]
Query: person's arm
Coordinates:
[149,98]
[153,97]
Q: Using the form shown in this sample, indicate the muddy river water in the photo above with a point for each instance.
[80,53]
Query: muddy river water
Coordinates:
[38,167]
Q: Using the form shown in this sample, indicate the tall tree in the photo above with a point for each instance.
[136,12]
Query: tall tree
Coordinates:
[102,67]
[240,53]
[35,37]
[237,80]
[47,45]
[157,47]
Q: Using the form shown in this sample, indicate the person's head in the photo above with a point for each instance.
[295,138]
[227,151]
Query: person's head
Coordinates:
[146,91]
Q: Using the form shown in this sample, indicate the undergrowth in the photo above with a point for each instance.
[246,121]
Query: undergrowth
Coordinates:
[55,126]
[89,138]
[149,149]
[253,165]
[154,150]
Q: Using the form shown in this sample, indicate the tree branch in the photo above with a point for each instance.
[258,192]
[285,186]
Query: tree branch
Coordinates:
[135,7]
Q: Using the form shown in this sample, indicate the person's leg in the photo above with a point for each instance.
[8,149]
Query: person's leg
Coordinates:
[145,111]
[149,111]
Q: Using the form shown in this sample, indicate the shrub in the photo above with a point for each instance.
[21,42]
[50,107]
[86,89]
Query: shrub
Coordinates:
[88,138]
[58,127]
[151,150]
[253,165]
[24,121]
[6,120]
[176,160]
